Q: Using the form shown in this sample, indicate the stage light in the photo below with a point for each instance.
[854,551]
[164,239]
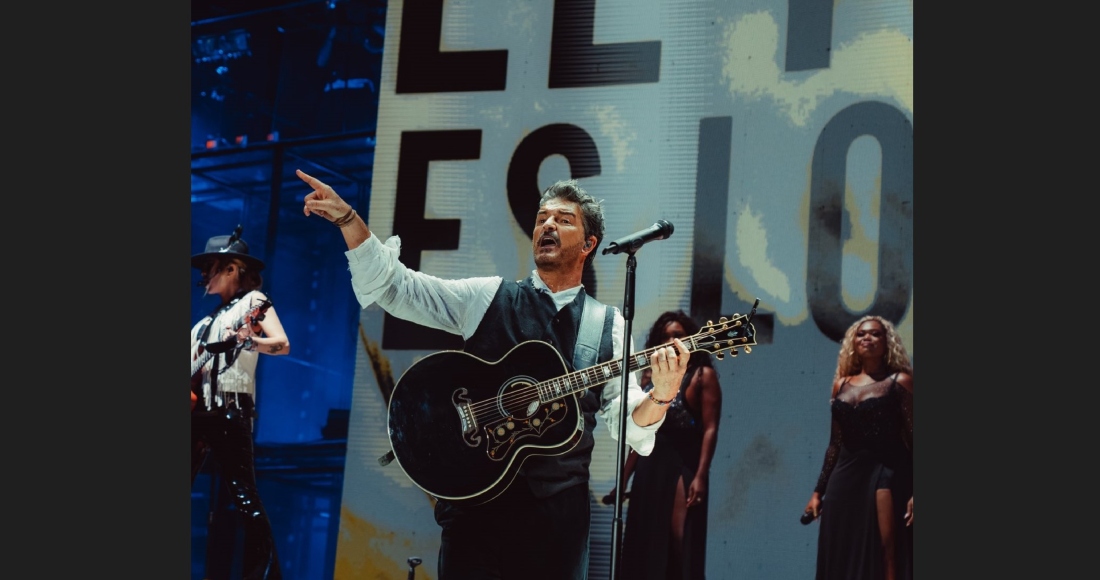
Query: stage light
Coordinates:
[214,47]
[273,136]
[211,143]
[241,140]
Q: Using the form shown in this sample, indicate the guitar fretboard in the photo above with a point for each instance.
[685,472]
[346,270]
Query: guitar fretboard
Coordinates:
[578,381]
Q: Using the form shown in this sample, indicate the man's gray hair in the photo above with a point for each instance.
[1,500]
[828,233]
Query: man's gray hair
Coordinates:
[591,208]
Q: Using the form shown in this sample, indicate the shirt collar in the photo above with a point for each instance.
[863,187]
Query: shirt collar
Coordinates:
[568,293]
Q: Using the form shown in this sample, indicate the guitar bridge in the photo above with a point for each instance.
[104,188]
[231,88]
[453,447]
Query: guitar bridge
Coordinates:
[466,419]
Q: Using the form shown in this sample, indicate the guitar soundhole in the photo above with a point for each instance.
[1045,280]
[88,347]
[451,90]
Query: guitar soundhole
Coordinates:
[522,417]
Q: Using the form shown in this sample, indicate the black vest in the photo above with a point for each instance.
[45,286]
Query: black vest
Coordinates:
[519,312]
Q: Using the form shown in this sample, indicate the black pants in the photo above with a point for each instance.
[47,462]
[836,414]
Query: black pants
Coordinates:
[516,536]
[226,435]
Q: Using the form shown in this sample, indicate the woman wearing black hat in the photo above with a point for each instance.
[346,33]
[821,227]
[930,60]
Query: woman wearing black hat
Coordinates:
[224,350]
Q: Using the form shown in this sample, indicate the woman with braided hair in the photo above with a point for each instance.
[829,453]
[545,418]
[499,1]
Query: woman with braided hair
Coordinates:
[665,537]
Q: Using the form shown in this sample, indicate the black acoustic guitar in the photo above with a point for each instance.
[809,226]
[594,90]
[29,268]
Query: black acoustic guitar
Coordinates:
[460,427]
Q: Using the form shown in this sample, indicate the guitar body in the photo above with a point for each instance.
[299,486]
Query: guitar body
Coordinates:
[461,427]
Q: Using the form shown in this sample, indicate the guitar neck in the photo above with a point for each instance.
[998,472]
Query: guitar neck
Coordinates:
[582,380]
[206,355]
[200,362]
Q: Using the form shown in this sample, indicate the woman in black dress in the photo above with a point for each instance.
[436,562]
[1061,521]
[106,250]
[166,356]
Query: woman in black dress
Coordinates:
[665,537]
[864,493]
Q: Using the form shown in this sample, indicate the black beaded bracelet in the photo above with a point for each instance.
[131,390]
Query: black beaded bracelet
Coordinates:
[661,403]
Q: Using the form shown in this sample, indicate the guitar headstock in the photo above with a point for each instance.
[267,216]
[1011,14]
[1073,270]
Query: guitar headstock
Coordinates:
[257,312]
[728,334]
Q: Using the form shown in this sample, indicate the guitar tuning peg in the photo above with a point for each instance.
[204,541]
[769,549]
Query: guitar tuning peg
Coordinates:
[710,323]
[718,355]
[723,320]
[748,349]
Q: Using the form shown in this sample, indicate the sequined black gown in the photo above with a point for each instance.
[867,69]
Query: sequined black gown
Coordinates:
[646,552]
[869,449]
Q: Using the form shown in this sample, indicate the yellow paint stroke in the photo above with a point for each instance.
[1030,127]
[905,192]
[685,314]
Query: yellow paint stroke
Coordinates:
[752,252]
[615,128]
[861,244]
[877,63]
[383,375]
[383,372]
[363,552]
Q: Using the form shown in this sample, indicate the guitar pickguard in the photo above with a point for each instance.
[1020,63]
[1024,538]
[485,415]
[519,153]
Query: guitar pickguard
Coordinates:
[503,435]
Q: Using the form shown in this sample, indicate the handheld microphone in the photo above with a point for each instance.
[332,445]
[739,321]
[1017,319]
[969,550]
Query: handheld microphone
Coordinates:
[806,518]
[658,231]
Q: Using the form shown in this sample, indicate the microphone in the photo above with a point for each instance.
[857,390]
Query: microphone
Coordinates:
[236,235]
[658,231]
[806,518]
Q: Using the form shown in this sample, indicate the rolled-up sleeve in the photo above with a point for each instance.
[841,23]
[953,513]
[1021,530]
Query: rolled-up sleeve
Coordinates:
[379,277]
[640,439]
[373,266]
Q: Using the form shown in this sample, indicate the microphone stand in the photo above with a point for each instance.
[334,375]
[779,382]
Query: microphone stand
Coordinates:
[620,459]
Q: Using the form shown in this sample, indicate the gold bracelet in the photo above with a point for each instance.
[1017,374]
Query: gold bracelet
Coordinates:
[654,399]
[345,219]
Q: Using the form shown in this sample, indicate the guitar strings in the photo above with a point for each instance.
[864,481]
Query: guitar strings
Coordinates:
[572,380]
[639,361]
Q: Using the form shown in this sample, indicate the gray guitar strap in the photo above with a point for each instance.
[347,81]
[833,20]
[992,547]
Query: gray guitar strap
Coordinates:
[587,351]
